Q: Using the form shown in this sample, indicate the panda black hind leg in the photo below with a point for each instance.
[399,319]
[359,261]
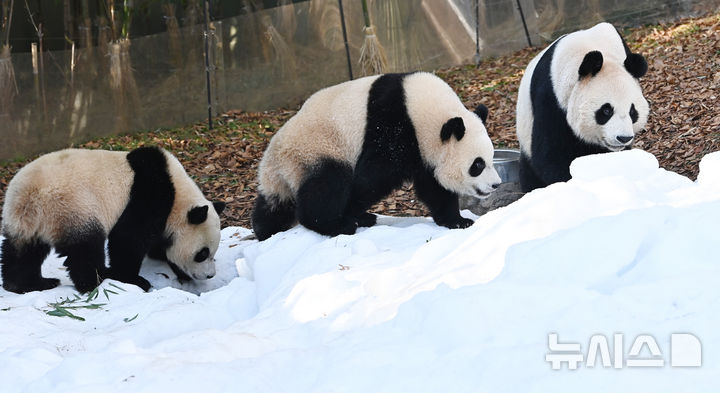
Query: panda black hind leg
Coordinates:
[322,199]
[21,266]
[85,258]
[443,204]
[269,218]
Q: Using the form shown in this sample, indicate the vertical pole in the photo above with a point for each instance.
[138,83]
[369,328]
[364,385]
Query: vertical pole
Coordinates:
[9,23]
[366,14]
[477,32]
[522,17]
[347,48]
[206,13]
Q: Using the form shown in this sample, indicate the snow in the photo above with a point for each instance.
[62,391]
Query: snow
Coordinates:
[623,248]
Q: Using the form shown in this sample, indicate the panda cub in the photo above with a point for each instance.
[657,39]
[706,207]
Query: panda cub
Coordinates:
[73,200]
[579,96]
[352,144]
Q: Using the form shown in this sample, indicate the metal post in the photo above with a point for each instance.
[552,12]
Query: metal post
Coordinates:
[206,13]
[347,48]
[522,16]
[477,32]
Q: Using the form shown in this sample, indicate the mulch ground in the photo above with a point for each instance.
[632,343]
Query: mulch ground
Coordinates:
[682,86]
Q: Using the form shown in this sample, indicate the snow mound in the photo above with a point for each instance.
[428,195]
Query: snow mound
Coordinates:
[624,247]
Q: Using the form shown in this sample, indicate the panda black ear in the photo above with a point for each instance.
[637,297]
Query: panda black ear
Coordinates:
[219,206]
[482,112]
[454,126]
[591,64]
[198,214]
[636,65]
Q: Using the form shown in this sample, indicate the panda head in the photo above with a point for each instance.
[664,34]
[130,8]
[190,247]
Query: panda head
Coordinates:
[193,240]
[606,107]
[466,163]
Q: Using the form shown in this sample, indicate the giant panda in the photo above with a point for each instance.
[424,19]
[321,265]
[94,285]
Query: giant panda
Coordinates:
[351,144]
[142,202]
[579,96]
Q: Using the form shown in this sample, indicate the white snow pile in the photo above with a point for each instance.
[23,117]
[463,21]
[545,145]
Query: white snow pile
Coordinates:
[624,253]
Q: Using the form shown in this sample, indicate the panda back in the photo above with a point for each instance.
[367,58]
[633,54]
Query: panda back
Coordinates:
[330,124]
[67,189]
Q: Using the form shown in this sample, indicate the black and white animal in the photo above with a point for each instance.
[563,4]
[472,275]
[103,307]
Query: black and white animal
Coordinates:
[142,202]
[579,96]
[352,144]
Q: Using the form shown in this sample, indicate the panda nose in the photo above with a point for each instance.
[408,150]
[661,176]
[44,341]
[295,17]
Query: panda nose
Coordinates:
[624,139]
[495,186]
[210,276]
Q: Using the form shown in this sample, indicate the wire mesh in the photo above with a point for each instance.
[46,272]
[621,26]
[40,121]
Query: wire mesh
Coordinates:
[274,58]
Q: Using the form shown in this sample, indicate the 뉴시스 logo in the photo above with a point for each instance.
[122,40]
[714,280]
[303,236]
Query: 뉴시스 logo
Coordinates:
[685,351]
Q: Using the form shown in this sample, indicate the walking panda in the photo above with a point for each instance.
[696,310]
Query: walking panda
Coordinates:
[352,144]
[142,202]
[579,96]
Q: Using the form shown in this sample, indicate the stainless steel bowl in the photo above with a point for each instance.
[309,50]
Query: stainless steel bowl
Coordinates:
[507,164]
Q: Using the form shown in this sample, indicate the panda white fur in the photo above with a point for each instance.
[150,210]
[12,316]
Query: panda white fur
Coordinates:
[579,96]
[142,202]
[352,144]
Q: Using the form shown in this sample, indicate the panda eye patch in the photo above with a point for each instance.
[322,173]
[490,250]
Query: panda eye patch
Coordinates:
[604,114]
[477,167]
[202,255]
[633,114]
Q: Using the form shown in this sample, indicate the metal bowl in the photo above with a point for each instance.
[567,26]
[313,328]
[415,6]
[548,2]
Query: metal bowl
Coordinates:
[507,164]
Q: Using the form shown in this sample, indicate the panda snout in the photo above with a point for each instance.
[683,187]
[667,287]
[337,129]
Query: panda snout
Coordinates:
[495,186]
[624,139]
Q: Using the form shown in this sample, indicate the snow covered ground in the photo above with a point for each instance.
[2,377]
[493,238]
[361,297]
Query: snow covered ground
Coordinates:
[624,248]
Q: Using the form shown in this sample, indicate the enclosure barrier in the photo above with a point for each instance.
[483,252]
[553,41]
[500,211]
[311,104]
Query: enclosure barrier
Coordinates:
[271,59]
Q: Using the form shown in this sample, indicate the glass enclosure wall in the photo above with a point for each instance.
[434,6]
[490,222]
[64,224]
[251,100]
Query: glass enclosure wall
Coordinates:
[272,58]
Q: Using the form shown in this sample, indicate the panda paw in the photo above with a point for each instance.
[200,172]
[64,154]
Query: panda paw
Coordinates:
[348,227]
[465,223]
[366,220]
[142,283]
[459,223]
[40,285]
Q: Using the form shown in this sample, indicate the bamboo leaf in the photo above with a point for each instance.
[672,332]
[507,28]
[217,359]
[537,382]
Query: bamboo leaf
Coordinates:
[118,287]
[62,312]
[130,319]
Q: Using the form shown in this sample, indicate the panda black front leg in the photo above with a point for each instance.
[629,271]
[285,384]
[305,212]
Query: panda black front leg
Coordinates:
[127,250]
[443,204]
[529,180]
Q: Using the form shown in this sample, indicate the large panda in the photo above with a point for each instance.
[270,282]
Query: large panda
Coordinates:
[142,202]
[579,96]
[351,144]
